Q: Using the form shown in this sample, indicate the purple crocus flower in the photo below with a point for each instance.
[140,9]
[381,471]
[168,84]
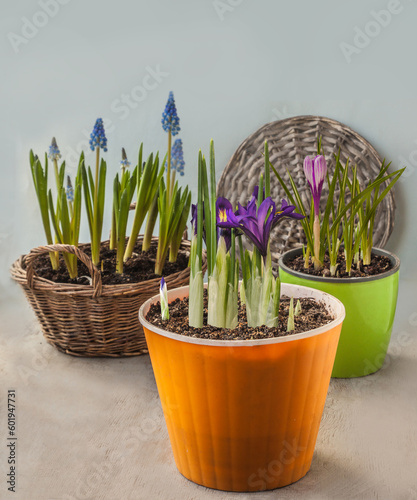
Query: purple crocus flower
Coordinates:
[315,171]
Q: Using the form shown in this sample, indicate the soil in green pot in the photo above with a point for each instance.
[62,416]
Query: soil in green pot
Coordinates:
[379,264]
[314,315]
[140,267]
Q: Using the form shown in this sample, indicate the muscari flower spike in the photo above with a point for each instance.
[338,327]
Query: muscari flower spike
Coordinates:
[177,157]
[170,121]
[98,137]
[70,190]
[54,153]
[315,171]
[124,163]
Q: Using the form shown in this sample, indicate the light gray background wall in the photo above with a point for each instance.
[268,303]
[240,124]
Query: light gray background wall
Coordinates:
[233,65]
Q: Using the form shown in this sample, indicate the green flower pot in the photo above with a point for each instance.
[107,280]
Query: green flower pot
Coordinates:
[370,309]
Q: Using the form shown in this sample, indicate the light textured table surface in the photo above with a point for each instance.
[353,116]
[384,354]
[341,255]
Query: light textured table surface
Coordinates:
[94,429]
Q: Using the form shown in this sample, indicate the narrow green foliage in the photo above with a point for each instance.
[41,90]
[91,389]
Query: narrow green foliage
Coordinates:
[297,311]
[66,221]
[150,223]
[181,226]
[94,196]
[195,312]
[122,197]
[172,221]
[223,290]
[290,323]
[148,183]
[298,203]
[347,220]
[212,242]
[261,290]
[40,182]
[267,171]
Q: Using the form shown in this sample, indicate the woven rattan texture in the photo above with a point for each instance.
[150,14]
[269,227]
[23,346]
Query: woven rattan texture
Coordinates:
[96,320]
[289,142]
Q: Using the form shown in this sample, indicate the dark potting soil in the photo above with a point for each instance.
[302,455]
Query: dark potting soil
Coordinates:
[140,267]
[379,264]
[313,315]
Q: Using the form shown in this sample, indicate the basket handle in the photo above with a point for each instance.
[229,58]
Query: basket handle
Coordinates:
[84,258]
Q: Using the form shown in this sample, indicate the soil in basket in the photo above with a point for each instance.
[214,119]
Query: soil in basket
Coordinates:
[379,264]
[314,315]
[140,267]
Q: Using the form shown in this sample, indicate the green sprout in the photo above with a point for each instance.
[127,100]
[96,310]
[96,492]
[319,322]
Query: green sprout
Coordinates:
[297,311]
[290,323]
[163,298]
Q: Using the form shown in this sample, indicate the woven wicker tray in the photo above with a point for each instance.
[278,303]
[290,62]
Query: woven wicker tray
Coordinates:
[289,142]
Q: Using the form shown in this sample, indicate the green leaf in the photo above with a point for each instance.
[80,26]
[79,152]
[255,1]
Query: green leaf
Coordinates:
[61,176]
[76,220]
[65,220]
[267,171]
[360,197]
[87,198]
[212,215]
[55,223]
[41,189]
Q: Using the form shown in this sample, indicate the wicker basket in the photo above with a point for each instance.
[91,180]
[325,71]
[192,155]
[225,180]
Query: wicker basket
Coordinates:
[289,142]
[90,320]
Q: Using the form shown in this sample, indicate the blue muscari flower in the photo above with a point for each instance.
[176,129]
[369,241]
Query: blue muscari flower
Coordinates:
[69,191]
[54,153]
[124,163]
[170,120]
[98,137]
[177,157]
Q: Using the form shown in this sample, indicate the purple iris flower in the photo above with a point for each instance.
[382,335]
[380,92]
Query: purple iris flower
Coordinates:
[315,171]
[252,203]
[222,206]
[257,224]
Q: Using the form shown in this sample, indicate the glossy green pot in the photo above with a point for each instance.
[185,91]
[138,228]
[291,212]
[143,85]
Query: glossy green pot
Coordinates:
[370,309]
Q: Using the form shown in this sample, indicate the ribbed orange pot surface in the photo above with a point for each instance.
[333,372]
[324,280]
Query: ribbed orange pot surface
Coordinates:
[244,416]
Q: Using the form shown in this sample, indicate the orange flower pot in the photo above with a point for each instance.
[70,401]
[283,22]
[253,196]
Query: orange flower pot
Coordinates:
[244,415]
